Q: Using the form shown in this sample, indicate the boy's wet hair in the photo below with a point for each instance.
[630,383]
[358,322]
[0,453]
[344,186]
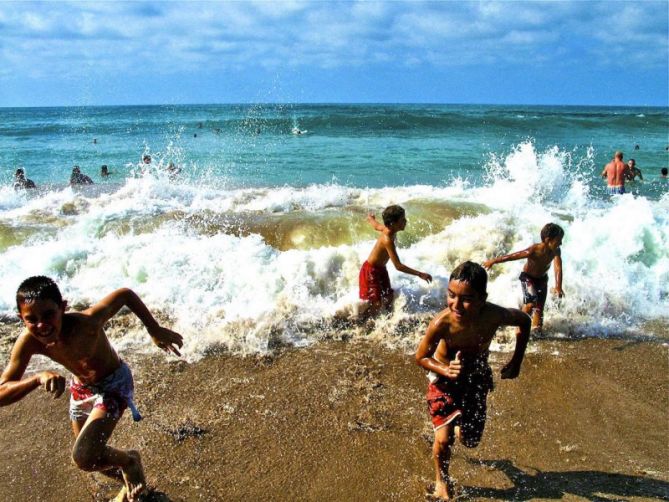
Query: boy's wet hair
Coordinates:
[473,274]
[551,231]
[391,214]
[37,287]
[664,171]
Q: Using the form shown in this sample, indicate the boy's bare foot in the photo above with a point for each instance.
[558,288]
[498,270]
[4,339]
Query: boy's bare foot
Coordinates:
[133,476]
[442,491]
[121,496]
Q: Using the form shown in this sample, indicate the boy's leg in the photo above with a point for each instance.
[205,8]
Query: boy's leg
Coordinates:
[441,454]
[91,453]
[113,472]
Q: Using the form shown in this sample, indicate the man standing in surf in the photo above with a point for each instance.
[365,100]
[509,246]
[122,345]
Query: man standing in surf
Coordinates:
[102,384]
[455,352]
[615,173]
[374,281]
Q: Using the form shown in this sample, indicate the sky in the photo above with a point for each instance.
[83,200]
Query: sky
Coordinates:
[576,52]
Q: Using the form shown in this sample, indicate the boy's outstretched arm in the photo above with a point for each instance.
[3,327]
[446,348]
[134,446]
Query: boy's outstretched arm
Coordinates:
[557,264]
[392,253]
[106,308]
[427,347]
[515,317]
[13,388]
[519,255]
[371,219]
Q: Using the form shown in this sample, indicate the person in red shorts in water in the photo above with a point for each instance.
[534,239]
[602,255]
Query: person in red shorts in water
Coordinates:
[374,281]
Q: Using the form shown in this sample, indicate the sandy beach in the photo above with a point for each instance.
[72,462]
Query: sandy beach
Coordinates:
[586,420]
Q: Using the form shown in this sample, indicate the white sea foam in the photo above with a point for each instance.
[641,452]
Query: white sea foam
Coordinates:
[240,293]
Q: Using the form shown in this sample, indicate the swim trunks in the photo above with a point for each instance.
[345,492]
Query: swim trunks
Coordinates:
[534,290]
[375,285]
[462,401]
[616,190]
[113,394]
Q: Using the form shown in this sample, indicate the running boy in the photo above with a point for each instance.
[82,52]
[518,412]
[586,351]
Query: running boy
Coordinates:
[102,384]
[455,351]
[374,280]
[534,277]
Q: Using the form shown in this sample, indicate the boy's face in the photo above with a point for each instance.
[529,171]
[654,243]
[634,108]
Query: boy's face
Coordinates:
[554,243]
[464,302]
[43,319]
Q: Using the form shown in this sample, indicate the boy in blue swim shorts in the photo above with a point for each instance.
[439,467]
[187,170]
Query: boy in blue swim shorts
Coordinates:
[534,277]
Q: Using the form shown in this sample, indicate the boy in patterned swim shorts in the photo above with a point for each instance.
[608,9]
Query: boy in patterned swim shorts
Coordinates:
[455,352]
[102,384]
[374,281]
[534,277]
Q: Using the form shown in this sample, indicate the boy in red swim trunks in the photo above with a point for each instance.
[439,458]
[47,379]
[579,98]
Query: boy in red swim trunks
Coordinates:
[455,351]
[374,281]
[534,277]
[102,384]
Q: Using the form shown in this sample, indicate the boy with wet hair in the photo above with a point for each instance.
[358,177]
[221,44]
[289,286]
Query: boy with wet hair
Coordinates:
[374,281]
[102,384]
[455,352]
[534,277]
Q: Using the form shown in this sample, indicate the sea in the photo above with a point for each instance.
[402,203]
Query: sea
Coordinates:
[253,240]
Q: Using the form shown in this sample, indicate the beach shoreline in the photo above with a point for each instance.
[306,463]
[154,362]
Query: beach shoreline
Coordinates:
[347,421]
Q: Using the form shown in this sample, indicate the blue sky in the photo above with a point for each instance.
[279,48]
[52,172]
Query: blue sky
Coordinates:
[504,52]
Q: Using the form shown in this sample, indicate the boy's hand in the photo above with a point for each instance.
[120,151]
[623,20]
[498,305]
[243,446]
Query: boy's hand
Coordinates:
[511,370]
[454,367]
[426,277]
[167,340]
[52,383]
[488,264]
[558,292]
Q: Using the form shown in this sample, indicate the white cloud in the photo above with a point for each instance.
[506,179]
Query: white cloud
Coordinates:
[171,36]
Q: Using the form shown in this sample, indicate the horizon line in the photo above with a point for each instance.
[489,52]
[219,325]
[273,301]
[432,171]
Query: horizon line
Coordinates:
[336,103]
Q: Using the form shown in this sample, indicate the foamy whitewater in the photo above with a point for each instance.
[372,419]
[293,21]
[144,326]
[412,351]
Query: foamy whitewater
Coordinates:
[247,267]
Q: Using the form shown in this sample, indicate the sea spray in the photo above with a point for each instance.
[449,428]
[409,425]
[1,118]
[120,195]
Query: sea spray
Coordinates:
[249,267]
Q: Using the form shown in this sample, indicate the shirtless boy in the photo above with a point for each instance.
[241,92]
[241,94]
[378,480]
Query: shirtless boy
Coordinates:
[455,351]
[615,173]
[102,384]
[374,280]
[534,277]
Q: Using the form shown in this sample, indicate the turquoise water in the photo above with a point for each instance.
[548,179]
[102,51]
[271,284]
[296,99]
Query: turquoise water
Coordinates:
[355,145]
[259,239]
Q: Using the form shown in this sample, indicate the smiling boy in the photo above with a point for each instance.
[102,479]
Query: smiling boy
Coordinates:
[455,352]
[102,384]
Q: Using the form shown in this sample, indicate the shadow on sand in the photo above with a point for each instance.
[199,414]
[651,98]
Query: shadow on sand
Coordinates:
[591,485]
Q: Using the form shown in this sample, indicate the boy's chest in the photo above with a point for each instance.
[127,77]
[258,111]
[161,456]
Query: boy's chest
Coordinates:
[470,340]
[82,354]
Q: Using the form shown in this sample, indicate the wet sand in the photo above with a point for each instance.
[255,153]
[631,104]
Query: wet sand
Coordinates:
[586,420]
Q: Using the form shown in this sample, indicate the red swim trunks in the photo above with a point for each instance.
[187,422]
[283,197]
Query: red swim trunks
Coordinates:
[375,285]
[464,400]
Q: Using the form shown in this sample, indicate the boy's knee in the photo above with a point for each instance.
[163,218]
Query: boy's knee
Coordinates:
[85,459]
[443,440]
[471,438]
